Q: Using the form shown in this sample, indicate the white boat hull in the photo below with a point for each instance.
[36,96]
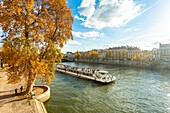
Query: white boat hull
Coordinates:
[101,80]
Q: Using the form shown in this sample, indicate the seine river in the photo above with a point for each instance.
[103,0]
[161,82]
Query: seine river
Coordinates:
[135,91]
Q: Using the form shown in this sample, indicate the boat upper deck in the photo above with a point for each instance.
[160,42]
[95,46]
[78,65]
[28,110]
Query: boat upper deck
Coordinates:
[87,73]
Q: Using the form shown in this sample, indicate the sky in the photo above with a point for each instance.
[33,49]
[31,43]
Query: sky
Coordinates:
[100,24]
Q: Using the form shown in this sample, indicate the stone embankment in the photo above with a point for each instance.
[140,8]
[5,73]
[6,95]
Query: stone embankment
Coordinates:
[10,103]
[44,95]
[140,64]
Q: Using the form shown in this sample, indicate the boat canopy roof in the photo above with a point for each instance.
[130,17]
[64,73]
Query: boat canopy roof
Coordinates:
[103,72]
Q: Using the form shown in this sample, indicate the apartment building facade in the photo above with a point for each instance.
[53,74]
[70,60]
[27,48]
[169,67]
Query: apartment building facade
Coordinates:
[164,51]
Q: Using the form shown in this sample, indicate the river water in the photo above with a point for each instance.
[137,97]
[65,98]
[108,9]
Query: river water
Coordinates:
[135,91]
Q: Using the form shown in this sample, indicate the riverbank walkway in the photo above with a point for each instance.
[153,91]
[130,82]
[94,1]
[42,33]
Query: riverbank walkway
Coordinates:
[10,103]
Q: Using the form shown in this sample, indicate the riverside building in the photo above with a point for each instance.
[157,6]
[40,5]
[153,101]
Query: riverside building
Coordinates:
[124,52]
[164,51]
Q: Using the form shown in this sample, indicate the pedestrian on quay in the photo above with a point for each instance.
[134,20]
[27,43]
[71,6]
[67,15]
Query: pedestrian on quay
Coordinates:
[16,91]
[21,88]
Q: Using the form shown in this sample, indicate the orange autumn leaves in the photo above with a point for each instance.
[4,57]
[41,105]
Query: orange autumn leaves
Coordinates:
[33,33]
[77,55]
[93,54]
[84,55]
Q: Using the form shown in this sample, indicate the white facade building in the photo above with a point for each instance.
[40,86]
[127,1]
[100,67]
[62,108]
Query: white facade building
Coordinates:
[164,51]
[156,54]
[101,53]
[69,55]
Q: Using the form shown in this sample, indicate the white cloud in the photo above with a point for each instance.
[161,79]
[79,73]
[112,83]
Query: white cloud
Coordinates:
[107,2]
[70,48]
[74,42]
[86,11]
[130,29]
[146,41]
[87,3]
[111,45]
[78,18]
[108,13]
[90,34]
[87,8]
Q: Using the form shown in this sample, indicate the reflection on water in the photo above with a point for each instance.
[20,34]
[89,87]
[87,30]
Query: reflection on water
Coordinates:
[135,90]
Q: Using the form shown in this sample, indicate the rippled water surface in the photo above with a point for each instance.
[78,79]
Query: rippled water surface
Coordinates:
[135,90]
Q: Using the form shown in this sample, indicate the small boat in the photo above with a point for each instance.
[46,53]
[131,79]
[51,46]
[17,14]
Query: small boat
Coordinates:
[86,73]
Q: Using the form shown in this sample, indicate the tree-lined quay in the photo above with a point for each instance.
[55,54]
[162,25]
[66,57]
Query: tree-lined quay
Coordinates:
[125,55]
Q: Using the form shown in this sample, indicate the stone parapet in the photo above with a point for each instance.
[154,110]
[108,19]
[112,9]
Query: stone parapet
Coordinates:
[44,96]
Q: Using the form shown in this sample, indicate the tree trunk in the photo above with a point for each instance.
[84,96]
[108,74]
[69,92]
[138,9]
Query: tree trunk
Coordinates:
[30,85]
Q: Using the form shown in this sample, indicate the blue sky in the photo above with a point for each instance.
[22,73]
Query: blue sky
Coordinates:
[101,24]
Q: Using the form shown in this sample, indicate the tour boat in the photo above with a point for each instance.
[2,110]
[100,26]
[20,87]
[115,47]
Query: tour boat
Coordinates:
[86,73]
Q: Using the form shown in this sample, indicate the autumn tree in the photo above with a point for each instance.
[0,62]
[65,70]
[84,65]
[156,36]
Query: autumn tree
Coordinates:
[77,55]
[93,54]
[146,55]
[83,55]
[134,58]
[34,31]
[107,55]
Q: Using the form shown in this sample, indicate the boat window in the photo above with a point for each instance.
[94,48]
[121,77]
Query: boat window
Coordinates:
[102,73]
